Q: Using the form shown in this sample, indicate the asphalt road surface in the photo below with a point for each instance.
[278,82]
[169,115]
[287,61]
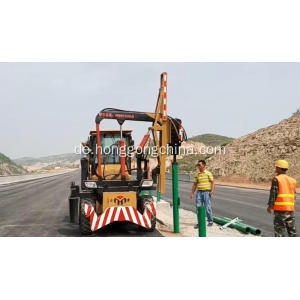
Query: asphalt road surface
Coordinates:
[247,204]
[40,208]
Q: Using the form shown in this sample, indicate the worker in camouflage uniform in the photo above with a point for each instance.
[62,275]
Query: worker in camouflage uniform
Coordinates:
[282,201]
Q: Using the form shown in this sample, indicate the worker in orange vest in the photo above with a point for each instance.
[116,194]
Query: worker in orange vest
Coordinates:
[282,201]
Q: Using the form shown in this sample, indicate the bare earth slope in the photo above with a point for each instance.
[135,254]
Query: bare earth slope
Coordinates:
[253,156]
[8,167]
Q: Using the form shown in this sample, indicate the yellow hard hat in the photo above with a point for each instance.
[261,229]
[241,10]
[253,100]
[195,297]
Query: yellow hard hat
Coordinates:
[283,164]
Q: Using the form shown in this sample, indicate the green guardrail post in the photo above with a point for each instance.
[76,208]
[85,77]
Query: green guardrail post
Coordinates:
[158,192]
[201,221]
[175,197]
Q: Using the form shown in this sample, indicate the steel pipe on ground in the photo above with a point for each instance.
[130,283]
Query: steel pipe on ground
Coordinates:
[253,230]
[240,227]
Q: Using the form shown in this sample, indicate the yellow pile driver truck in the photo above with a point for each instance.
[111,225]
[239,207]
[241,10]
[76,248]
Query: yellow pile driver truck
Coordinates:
[116,175]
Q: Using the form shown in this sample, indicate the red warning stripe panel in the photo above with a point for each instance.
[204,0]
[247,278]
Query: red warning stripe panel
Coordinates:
[88,211]
[148,214]
[92,215]
[109,215]
[97,223]
[105,217]
[121,215]
[137,216]
[150,209]
[129,214]
[114,214]
[145,222]
[153,209]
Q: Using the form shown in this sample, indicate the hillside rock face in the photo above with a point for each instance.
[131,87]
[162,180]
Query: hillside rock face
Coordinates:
[253,156]
[8,167]
[187,149]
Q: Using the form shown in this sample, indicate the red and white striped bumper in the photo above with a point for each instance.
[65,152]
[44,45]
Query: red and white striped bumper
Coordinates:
[120,213]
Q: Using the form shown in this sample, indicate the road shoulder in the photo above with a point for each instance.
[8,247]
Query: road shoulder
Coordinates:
[187,221]
[6,180]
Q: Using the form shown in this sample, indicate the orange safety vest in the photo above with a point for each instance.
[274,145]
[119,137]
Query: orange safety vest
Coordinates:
[285,200]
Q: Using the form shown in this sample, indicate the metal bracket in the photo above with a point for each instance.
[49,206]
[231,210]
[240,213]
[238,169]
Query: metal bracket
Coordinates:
[230,223]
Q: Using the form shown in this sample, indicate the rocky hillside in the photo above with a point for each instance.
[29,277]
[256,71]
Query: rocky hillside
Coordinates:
[200,144]
[193,149]
[185,160]
[8,167]
[253,156]
[190,151]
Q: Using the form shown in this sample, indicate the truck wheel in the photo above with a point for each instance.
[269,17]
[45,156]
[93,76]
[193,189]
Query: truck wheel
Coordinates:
[84,222]
[141,208]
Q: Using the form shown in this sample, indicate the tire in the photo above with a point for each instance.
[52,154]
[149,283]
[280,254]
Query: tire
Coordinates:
[141,208]
[84,222]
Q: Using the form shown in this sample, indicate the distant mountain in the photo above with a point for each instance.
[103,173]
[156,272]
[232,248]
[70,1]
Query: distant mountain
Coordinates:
[66,160]
[9,167]
[211,139]
[27,161]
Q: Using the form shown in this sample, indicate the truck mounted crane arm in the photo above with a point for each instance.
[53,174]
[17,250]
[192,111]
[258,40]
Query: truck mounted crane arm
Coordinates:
[165,129]
[178,133]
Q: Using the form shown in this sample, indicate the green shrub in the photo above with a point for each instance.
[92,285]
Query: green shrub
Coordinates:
[297,112]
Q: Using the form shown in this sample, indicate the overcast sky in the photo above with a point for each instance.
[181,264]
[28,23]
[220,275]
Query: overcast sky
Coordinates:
[48,108]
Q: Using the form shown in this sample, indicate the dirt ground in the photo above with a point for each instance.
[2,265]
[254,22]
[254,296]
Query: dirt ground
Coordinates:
[187,221]
[242,182]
